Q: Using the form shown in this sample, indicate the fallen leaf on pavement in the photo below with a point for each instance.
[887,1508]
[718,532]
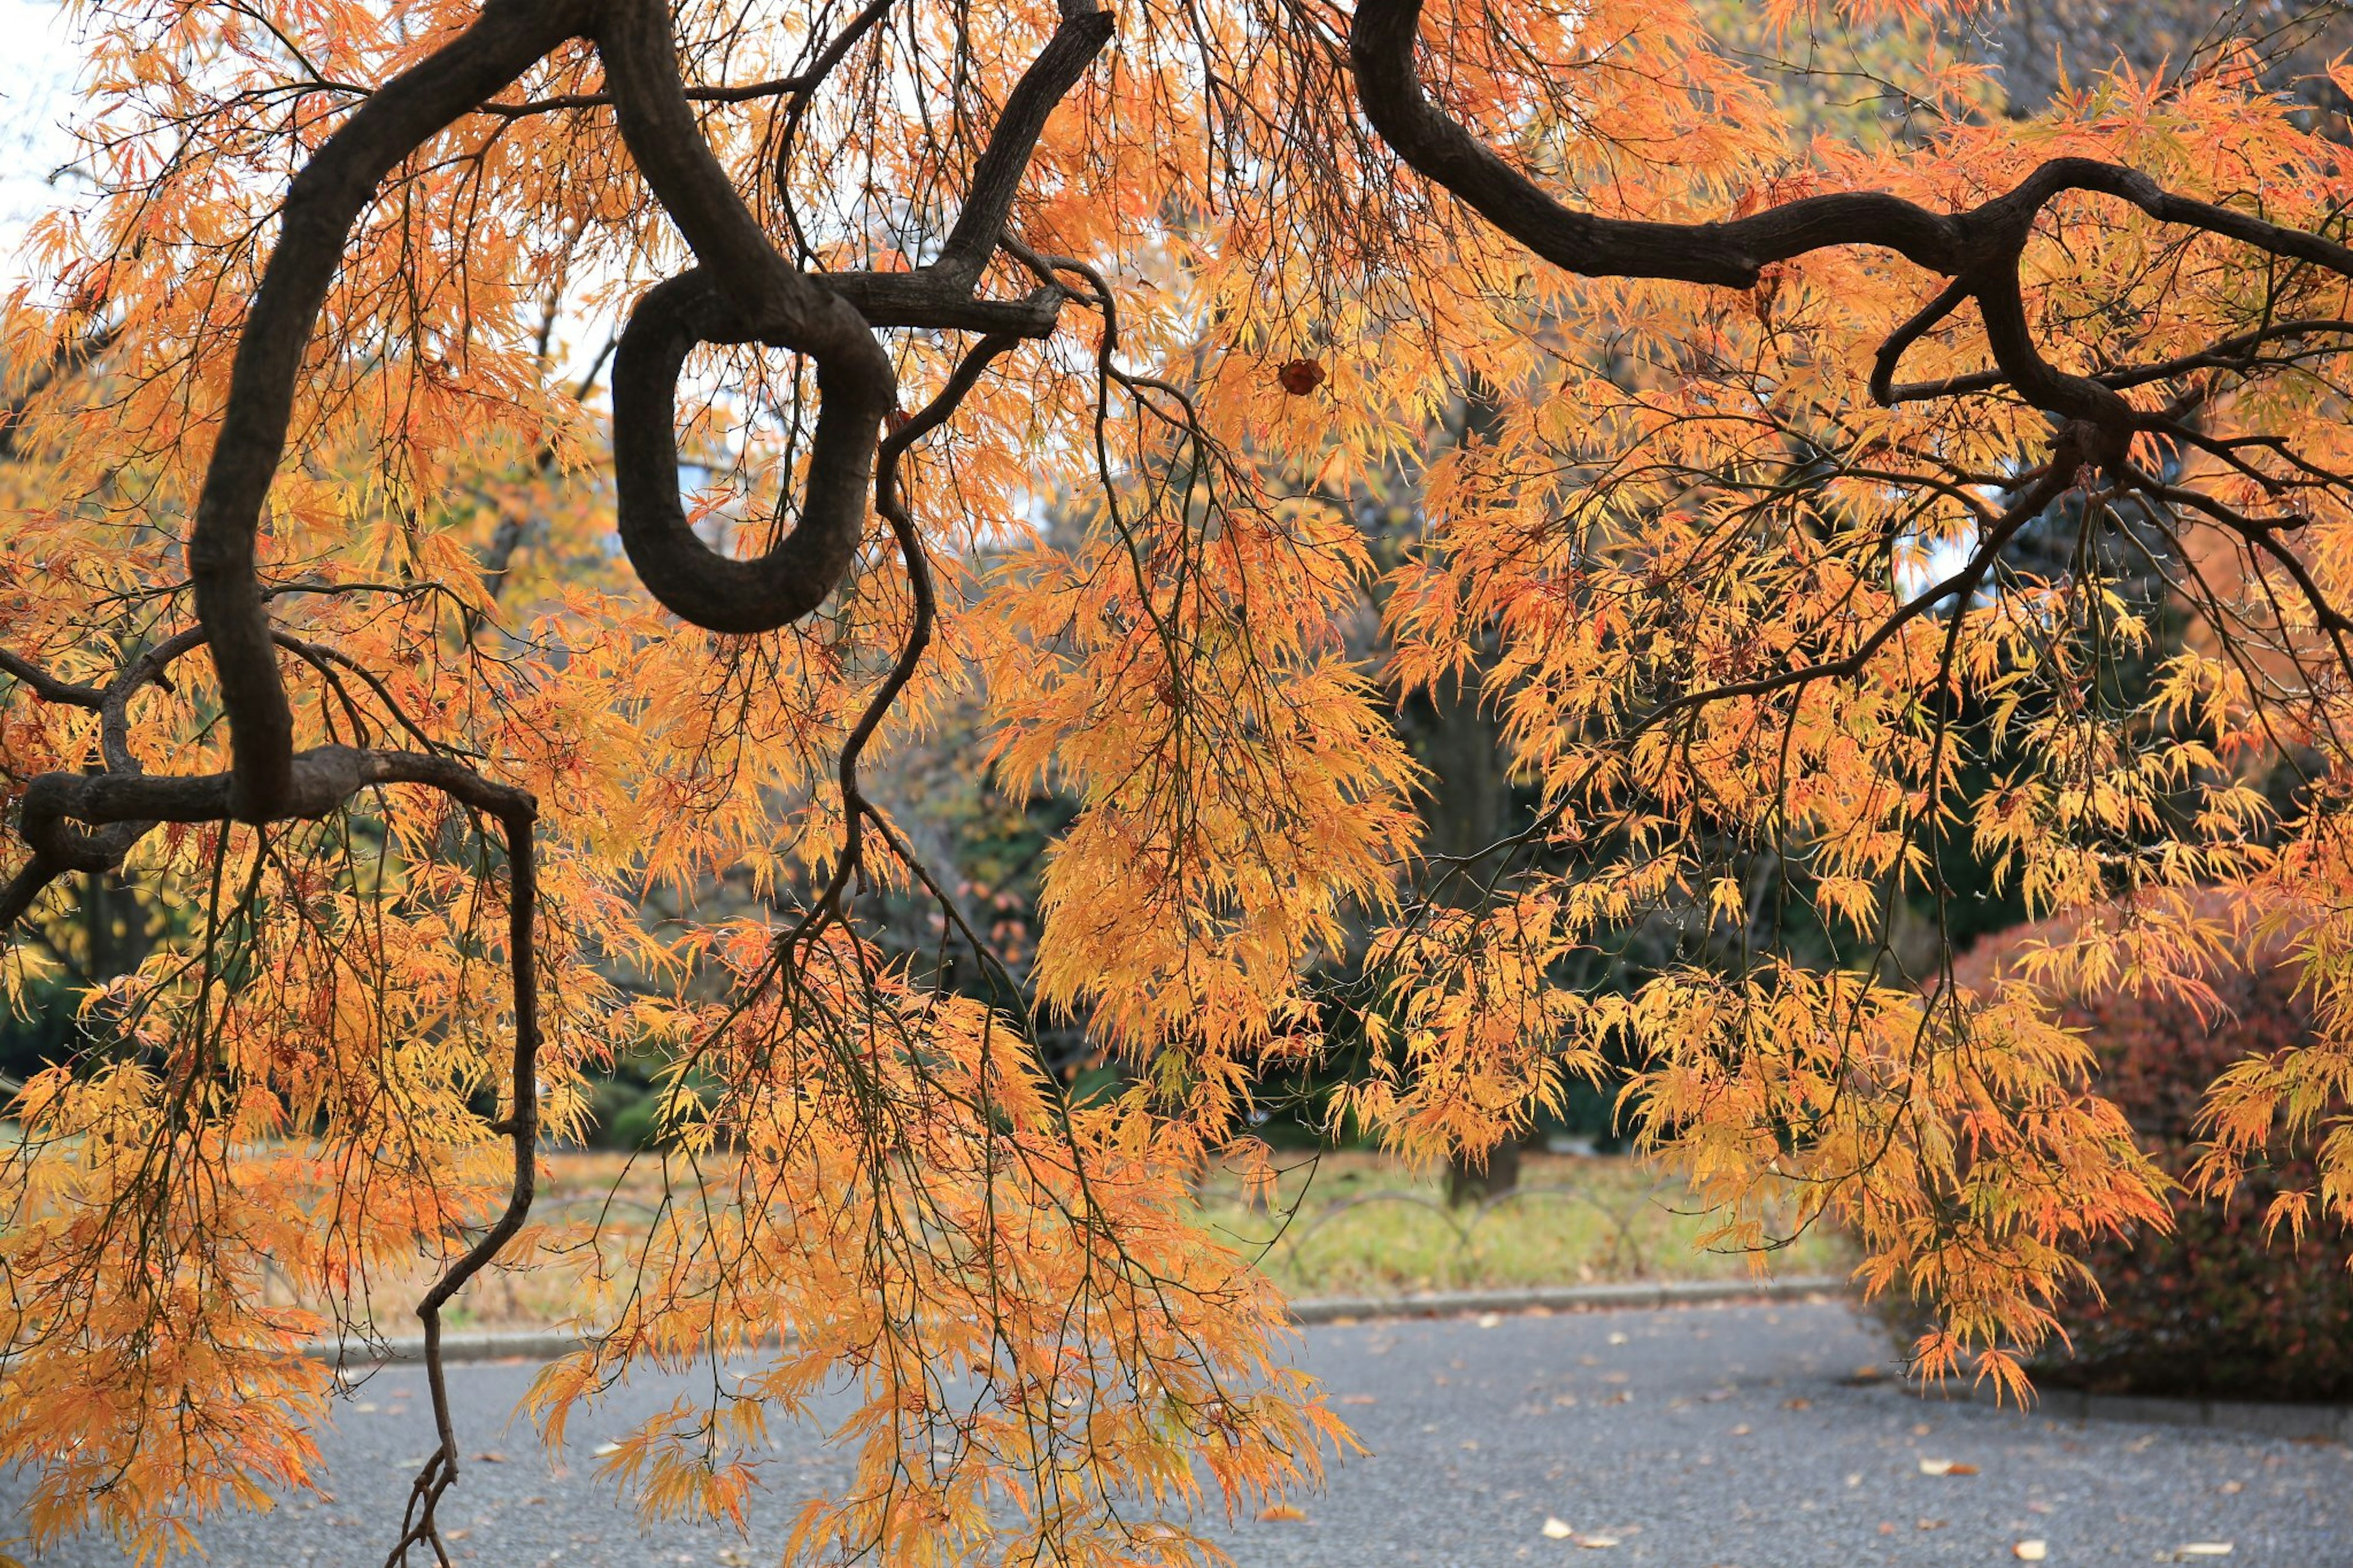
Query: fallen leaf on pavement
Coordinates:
[1358,1399]
[607,1448]
[1557,1529]
[2030,1551]
[1800,1402]
[1491,1319]
[2204,1549]
[490,1456]
[1281,1513]
[1596,1542]
[1932,1524]
[1945,1467]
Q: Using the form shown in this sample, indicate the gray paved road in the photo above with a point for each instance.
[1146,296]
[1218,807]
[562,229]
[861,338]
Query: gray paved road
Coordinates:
[1692,1438]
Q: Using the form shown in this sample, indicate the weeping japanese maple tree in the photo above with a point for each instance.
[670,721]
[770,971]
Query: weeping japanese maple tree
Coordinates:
[468,468]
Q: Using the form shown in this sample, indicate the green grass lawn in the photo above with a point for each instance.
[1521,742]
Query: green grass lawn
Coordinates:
[1346,1225]
[1338,1224]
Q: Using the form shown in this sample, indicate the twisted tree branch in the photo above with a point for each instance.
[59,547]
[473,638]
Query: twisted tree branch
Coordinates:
[1979,249]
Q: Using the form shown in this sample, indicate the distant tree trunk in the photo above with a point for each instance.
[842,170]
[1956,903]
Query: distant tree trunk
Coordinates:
[1470,808]
[1468,1182]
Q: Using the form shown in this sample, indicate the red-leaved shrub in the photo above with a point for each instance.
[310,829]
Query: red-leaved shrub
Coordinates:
[2216,1309]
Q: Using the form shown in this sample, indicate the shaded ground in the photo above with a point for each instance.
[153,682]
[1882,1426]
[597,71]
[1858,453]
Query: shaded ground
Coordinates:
[1690,1437]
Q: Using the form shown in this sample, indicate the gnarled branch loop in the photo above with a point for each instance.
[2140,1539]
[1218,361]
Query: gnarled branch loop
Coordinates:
[744,291]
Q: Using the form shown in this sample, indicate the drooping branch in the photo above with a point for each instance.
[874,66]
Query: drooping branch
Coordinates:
[420,1525]
[892,506]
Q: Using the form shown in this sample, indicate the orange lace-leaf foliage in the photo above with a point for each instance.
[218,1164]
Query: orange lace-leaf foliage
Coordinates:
[1041,1333]
[1161,595]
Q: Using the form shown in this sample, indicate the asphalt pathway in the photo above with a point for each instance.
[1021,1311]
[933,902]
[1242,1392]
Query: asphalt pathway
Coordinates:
[1729,1435]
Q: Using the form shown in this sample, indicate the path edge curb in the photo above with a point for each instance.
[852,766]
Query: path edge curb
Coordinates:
[543,1345]
[1635,1295]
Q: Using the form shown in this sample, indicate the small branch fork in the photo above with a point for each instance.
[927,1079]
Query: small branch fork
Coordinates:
[741,291]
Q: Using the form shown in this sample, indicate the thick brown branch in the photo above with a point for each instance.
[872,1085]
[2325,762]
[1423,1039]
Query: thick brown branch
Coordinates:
[47,686]
[928,300]
[1923,321]
[996,177]
[25,889]
[322,204]
[1381,44]
[321,779]
[742,291]
[1978,249]
[745,93]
